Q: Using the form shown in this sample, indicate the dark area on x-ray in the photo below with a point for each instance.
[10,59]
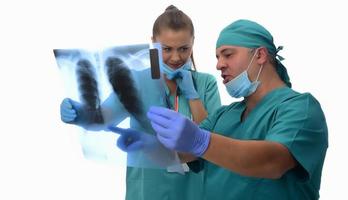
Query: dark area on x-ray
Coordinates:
[120,78]
[89,95]
[155,68]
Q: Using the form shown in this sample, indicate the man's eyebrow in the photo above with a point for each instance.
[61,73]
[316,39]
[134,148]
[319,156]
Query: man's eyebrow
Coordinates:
[228,50]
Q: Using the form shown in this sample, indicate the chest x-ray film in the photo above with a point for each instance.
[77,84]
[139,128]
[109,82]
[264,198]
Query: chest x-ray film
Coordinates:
[115,86]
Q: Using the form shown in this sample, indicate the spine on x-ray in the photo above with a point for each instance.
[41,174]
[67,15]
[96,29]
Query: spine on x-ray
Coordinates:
[120,78]
[88,88]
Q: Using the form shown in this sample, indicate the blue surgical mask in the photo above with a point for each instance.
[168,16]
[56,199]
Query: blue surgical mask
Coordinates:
[241,86]
[171,72]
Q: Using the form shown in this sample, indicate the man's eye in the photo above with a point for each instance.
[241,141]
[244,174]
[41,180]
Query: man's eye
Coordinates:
[227,55]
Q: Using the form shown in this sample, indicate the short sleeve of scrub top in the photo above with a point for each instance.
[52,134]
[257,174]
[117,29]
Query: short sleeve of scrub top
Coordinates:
[300,127]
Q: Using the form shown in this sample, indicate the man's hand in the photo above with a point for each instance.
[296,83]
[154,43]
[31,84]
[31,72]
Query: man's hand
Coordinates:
[177,132]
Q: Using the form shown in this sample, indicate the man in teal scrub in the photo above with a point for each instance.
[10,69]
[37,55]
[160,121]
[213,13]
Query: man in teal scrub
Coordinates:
[269,145]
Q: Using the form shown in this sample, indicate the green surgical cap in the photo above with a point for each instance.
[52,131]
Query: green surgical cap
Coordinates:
[249,34]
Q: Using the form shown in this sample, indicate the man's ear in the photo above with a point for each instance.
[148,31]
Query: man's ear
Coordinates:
[261,55]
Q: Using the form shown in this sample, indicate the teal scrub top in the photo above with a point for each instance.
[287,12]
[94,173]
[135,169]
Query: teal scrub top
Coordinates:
[292,119]
[158,184]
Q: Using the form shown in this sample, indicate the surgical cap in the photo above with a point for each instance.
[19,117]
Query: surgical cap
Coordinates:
[249,34]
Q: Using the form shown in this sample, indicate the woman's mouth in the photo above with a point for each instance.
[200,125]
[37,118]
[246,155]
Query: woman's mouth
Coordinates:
[175,66]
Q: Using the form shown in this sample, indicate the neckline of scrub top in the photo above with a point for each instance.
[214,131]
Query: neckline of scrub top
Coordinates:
[176,98]
[260,103]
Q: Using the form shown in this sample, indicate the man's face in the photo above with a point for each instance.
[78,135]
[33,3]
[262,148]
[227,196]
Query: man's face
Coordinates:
[232,61]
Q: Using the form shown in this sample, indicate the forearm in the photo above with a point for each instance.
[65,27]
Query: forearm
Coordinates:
[185,157]
[197,110]
[261,159]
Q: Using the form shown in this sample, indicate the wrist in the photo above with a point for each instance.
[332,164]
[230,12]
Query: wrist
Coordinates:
[202,142]
[191,95]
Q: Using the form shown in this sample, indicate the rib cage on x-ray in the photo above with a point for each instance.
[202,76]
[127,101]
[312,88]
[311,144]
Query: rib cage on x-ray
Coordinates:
[120,78]
[88,88]
[123,85]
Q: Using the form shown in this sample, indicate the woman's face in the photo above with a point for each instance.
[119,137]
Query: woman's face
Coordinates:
[176,46]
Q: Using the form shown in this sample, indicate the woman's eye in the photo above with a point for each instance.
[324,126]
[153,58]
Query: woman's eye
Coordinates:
[166,49]
[183,49]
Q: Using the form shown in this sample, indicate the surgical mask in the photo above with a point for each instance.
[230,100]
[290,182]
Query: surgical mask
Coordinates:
[171,72]
[241,86]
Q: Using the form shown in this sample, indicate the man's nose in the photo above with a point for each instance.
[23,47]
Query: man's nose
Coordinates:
[220,64]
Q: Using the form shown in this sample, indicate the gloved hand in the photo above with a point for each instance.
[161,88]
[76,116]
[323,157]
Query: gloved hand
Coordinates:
[177,132]
[132,140]
[72,112]
[184,81]
[68,112]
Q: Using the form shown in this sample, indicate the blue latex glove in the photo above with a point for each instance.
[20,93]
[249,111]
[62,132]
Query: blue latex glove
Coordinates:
[177,132]
[184,81]
[72,112]
[68,112]
[132,140]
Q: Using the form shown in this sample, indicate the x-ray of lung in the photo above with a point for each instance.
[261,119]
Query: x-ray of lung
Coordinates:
[115,86]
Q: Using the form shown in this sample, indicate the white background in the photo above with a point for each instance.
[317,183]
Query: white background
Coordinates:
[39,156]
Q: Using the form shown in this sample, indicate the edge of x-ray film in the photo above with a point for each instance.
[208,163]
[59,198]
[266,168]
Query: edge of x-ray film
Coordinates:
[101,147]
[156,156]
[96,141]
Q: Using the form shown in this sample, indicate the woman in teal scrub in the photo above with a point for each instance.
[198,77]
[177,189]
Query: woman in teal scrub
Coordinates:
[271,144]
[191,93]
